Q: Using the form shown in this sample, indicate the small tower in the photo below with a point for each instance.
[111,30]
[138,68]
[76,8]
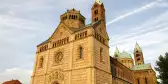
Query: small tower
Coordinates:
[116,53]
[98,11]
[138,55]
[73,19]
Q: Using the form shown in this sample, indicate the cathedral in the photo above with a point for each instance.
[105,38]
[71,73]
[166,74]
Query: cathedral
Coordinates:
[77,53]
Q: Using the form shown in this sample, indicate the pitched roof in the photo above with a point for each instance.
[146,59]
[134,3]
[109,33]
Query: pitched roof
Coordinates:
[116,53]
[12,82]
[142,67]
[124,54]
[77,29]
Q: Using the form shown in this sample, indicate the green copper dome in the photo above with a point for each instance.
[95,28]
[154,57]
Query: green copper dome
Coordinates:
[124,54]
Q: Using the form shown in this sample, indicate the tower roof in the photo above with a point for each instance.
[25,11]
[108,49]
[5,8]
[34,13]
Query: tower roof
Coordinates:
[142,67]
[124,54]
[116,53]
[12,82]
[99,1]
[137,47]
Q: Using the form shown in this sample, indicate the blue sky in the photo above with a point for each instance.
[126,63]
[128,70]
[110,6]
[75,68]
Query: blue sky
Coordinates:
[26,23]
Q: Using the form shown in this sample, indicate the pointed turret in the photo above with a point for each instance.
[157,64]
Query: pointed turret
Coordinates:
[99,1]
[116,53]
[138,55]
[137,48]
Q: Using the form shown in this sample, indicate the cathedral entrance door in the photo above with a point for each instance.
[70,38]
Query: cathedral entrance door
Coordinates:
[55,82]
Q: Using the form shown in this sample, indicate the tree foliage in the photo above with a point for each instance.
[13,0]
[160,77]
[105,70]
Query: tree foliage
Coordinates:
[162,68]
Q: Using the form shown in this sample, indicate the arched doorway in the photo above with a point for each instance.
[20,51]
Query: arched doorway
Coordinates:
[55,82]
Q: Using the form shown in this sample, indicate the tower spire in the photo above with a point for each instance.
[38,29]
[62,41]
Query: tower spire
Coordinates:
[99,1]
[138,55]
[116,53]
[137,48]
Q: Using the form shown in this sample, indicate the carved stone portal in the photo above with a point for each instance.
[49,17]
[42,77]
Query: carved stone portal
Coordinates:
[56,76]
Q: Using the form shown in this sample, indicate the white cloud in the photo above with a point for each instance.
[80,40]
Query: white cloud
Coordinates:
[140,31]
[14,22]
[143,8]
[17,74]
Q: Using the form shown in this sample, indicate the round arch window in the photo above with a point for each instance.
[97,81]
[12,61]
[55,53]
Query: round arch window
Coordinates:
[58,57]
[55,82]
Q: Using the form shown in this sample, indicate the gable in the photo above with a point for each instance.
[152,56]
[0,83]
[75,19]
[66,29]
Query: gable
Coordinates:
[102,31]
[60,32]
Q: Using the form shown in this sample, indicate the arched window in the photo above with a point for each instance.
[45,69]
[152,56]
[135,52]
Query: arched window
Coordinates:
[103,41]
[101,54]
[137,55]
[76,17]
[53,45]
[96,12]
[58,43]
[55,82]
[72,16]
[41,62]
[63,42]
[67,39]
[138,81]
[85,33]
[69,16]
[75,37]
[138,59]
[95,19]
[80,35]
[80,52]
[58,57]
[146,80]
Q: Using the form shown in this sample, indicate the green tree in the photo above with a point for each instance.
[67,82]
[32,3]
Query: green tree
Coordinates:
[162,68]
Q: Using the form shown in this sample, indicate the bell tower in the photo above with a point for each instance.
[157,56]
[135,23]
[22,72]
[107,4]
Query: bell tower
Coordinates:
[138,55]
[98,11]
